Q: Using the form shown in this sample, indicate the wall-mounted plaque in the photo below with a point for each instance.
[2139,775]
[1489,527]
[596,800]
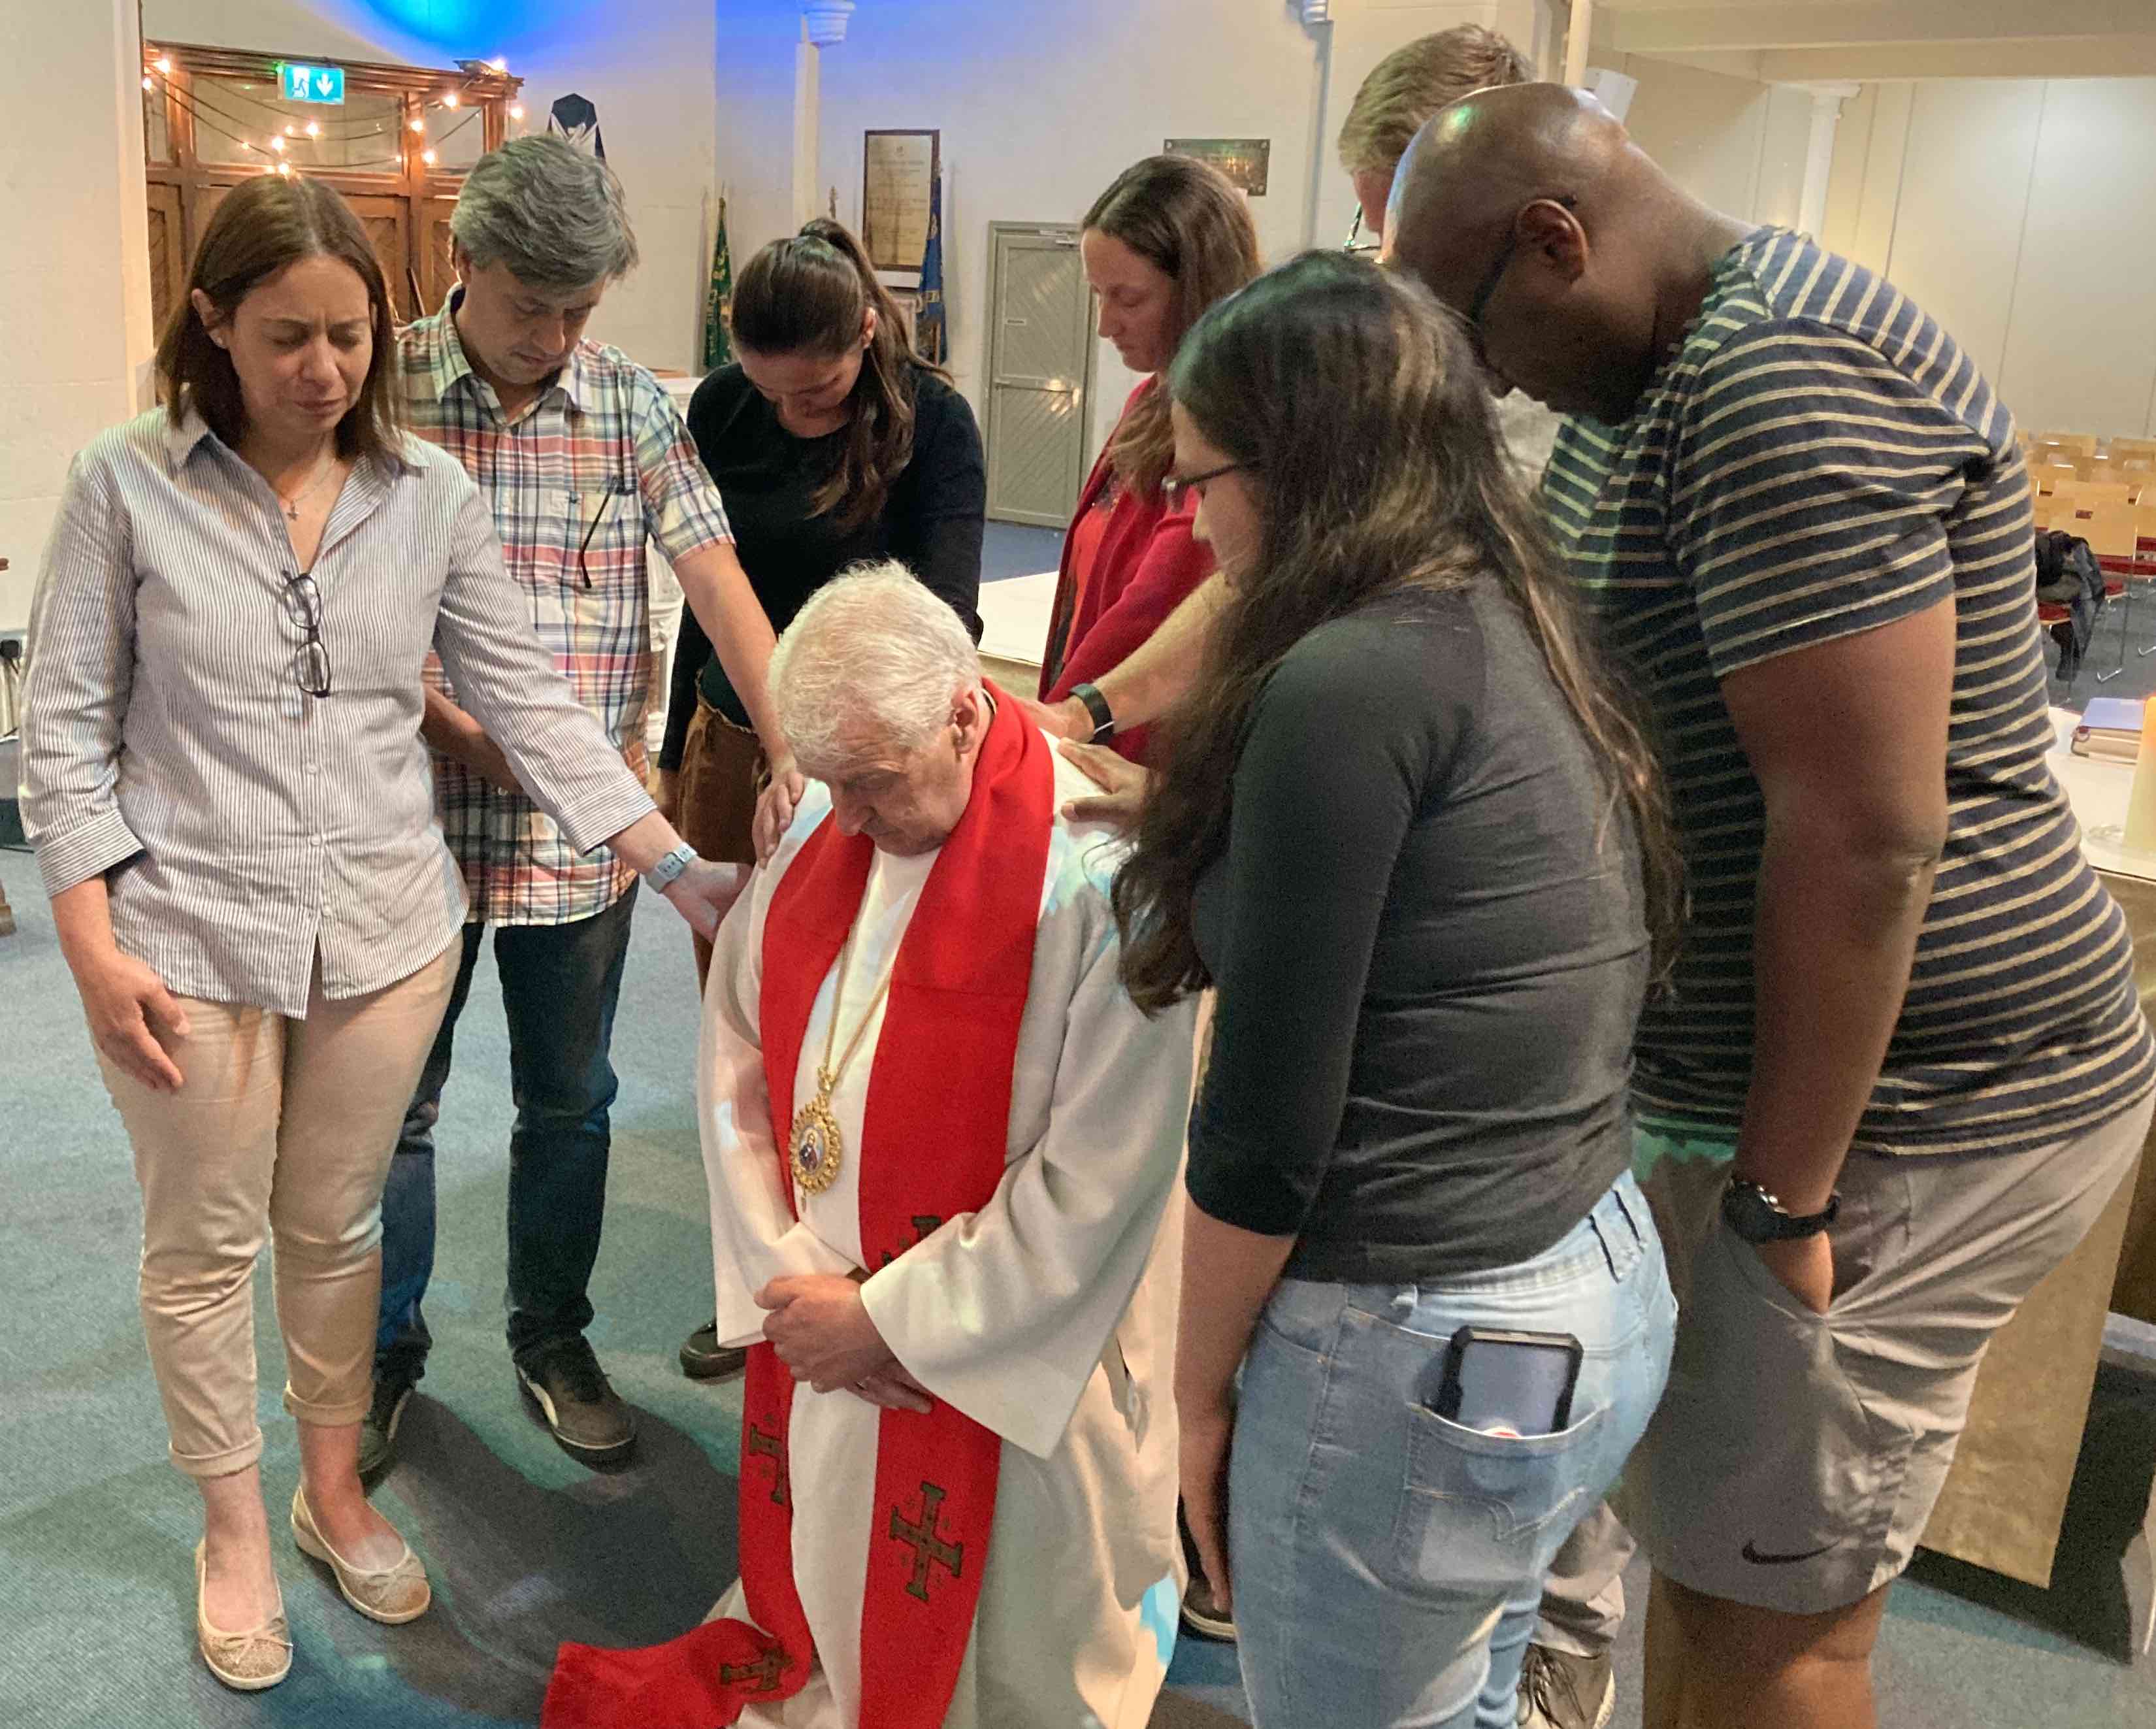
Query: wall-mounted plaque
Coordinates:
[898,171]
[1246,162]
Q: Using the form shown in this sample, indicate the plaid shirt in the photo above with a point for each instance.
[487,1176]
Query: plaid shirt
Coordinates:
[576,482]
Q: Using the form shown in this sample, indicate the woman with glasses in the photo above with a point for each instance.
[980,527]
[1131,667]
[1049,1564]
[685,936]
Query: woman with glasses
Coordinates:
[1166,240]
[234,812]
[1407,832]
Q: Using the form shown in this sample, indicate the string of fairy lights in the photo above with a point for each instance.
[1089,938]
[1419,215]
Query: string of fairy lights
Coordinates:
[276,148]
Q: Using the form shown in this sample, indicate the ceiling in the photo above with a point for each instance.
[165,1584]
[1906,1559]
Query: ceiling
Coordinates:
[1799,41]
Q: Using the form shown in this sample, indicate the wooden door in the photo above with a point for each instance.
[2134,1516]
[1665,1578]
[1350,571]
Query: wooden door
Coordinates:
[169,254]
[438,273]
[386,219]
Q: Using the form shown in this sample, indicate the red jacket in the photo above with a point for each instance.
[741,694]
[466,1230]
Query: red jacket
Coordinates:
[1146,563]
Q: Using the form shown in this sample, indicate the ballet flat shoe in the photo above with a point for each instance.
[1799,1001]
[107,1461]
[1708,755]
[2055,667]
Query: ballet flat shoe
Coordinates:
[392,1595]
[245,1662]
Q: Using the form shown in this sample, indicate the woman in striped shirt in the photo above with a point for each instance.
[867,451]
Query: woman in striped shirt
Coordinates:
[223,777]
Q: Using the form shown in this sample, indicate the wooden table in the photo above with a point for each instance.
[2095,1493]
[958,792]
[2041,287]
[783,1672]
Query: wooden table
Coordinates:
[2006,1497]
[1014,619]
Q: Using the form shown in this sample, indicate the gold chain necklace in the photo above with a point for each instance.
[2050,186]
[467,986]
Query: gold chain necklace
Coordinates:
[816,1149]
[292,504]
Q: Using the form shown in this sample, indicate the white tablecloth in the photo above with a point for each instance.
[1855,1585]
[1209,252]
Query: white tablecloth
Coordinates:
[2097,791]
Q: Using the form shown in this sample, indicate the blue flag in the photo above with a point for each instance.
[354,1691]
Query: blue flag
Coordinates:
[930,335]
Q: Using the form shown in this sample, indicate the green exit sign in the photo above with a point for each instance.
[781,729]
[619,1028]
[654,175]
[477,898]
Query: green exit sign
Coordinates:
[312,83]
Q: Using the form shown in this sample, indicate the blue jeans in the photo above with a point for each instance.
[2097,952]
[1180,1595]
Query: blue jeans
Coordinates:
[559,987]
[1388,1564]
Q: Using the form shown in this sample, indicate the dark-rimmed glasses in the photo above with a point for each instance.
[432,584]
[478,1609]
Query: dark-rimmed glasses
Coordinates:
[1357,242]
[598,516]
[303,606]
[1175,491]
[1499,265]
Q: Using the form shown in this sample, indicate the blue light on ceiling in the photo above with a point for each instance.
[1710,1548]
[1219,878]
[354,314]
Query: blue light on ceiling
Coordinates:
[480,29]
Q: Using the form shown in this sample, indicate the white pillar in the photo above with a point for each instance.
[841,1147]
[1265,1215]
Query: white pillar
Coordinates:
[1575,42]
[826,20]
[807,123]
[76,306]
[1819,152]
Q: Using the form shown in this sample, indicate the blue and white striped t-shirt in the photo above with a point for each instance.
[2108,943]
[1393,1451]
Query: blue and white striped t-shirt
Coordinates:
[1819,458]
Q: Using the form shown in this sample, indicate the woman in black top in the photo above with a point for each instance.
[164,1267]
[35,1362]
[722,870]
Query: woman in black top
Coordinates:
[832,441]
[1399,829]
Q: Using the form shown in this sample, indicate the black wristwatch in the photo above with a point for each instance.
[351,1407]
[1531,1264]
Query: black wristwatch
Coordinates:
[1096,705]
[1756,1216]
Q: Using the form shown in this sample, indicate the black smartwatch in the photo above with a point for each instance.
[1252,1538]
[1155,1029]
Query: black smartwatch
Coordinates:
[1756,1216]
[1096,705]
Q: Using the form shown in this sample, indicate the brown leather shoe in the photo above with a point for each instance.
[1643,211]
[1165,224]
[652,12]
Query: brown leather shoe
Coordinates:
[703,1358]
[582,1410]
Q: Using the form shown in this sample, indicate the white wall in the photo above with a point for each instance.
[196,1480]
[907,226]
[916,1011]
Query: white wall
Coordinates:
[2015,211]
[1042,104]
[648,66]
[75,267]
[1733,143]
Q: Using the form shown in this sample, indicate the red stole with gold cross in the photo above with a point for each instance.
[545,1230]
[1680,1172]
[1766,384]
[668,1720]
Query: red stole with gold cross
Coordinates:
[934,1134]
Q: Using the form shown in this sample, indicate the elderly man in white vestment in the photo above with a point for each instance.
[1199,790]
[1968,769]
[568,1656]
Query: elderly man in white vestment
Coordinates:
[944,1152]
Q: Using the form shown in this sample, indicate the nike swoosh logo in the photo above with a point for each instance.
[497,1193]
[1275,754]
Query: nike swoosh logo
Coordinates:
[1758,1558]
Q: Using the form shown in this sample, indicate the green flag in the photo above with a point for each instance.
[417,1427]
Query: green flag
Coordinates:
[719,301]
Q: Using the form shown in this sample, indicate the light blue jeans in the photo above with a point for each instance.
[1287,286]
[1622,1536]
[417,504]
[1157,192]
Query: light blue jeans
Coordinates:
[1387,1563]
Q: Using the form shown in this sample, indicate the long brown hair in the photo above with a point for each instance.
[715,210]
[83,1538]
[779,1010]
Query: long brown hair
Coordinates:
[1386,474]
[1186,219]
[260,228]
[809,293]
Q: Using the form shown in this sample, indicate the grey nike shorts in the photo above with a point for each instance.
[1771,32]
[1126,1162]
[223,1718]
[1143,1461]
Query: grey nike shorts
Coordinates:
[1795,1457]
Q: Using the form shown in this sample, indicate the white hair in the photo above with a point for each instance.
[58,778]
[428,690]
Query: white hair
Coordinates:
[874,660]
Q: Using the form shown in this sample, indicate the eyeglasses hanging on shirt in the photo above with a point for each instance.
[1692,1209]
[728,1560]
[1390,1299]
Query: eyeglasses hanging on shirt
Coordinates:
[303,606]
[614,490]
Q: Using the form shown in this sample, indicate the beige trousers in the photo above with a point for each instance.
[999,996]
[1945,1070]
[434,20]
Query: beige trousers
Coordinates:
[282,1129]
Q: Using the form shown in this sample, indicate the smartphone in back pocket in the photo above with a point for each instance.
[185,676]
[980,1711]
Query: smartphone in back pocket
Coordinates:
[1509,1383]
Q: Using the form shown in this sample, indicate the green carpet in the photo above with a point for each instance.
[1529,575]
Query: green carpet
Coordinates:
[526,1548]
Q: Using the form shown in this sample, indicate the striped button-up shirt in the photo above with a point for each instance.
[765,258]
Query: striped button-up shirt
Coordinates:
[577,482]
[243,827]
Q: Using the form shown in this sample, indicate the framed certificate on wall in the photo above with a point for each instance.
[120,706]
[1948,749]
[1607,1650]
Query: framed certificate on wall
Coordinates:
[1246,162]
[898,171]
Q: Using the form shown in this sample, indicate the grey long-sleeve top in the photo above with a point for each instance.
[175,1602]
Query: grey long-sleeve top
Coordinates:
[244,826]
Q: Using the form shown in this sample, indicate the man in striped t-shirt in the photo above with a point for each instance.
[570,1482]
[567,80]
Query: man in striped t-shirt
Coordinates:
[1800,514]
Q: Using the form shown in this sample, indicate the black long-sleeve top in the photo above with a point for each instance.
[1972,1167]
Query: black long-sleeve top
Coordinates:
[931,520]
[1430,949]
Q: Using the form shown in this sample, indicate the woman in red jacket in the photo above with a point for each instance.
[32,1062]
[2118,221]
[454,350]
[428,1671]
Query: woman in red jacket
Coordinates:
[1170,237]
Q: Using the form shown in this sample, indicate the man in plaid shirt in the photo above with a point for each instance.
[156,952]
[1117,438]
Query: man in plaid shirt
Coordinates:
[583,456]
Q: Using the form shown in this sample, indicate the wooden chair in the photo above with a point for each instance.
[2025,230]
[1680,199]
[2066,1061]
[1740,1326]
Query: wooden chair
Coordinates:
[2113,533]
[2088,496]
[2048,476]
[2079,444]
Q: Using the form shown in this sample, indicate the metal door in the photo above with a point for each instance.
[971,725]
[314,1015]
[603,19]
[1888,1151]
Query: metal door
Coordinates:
[1040,372]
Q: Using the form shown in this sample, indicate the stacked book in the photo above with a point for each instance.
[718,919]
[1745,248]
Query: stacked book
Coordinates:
[2110,730]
